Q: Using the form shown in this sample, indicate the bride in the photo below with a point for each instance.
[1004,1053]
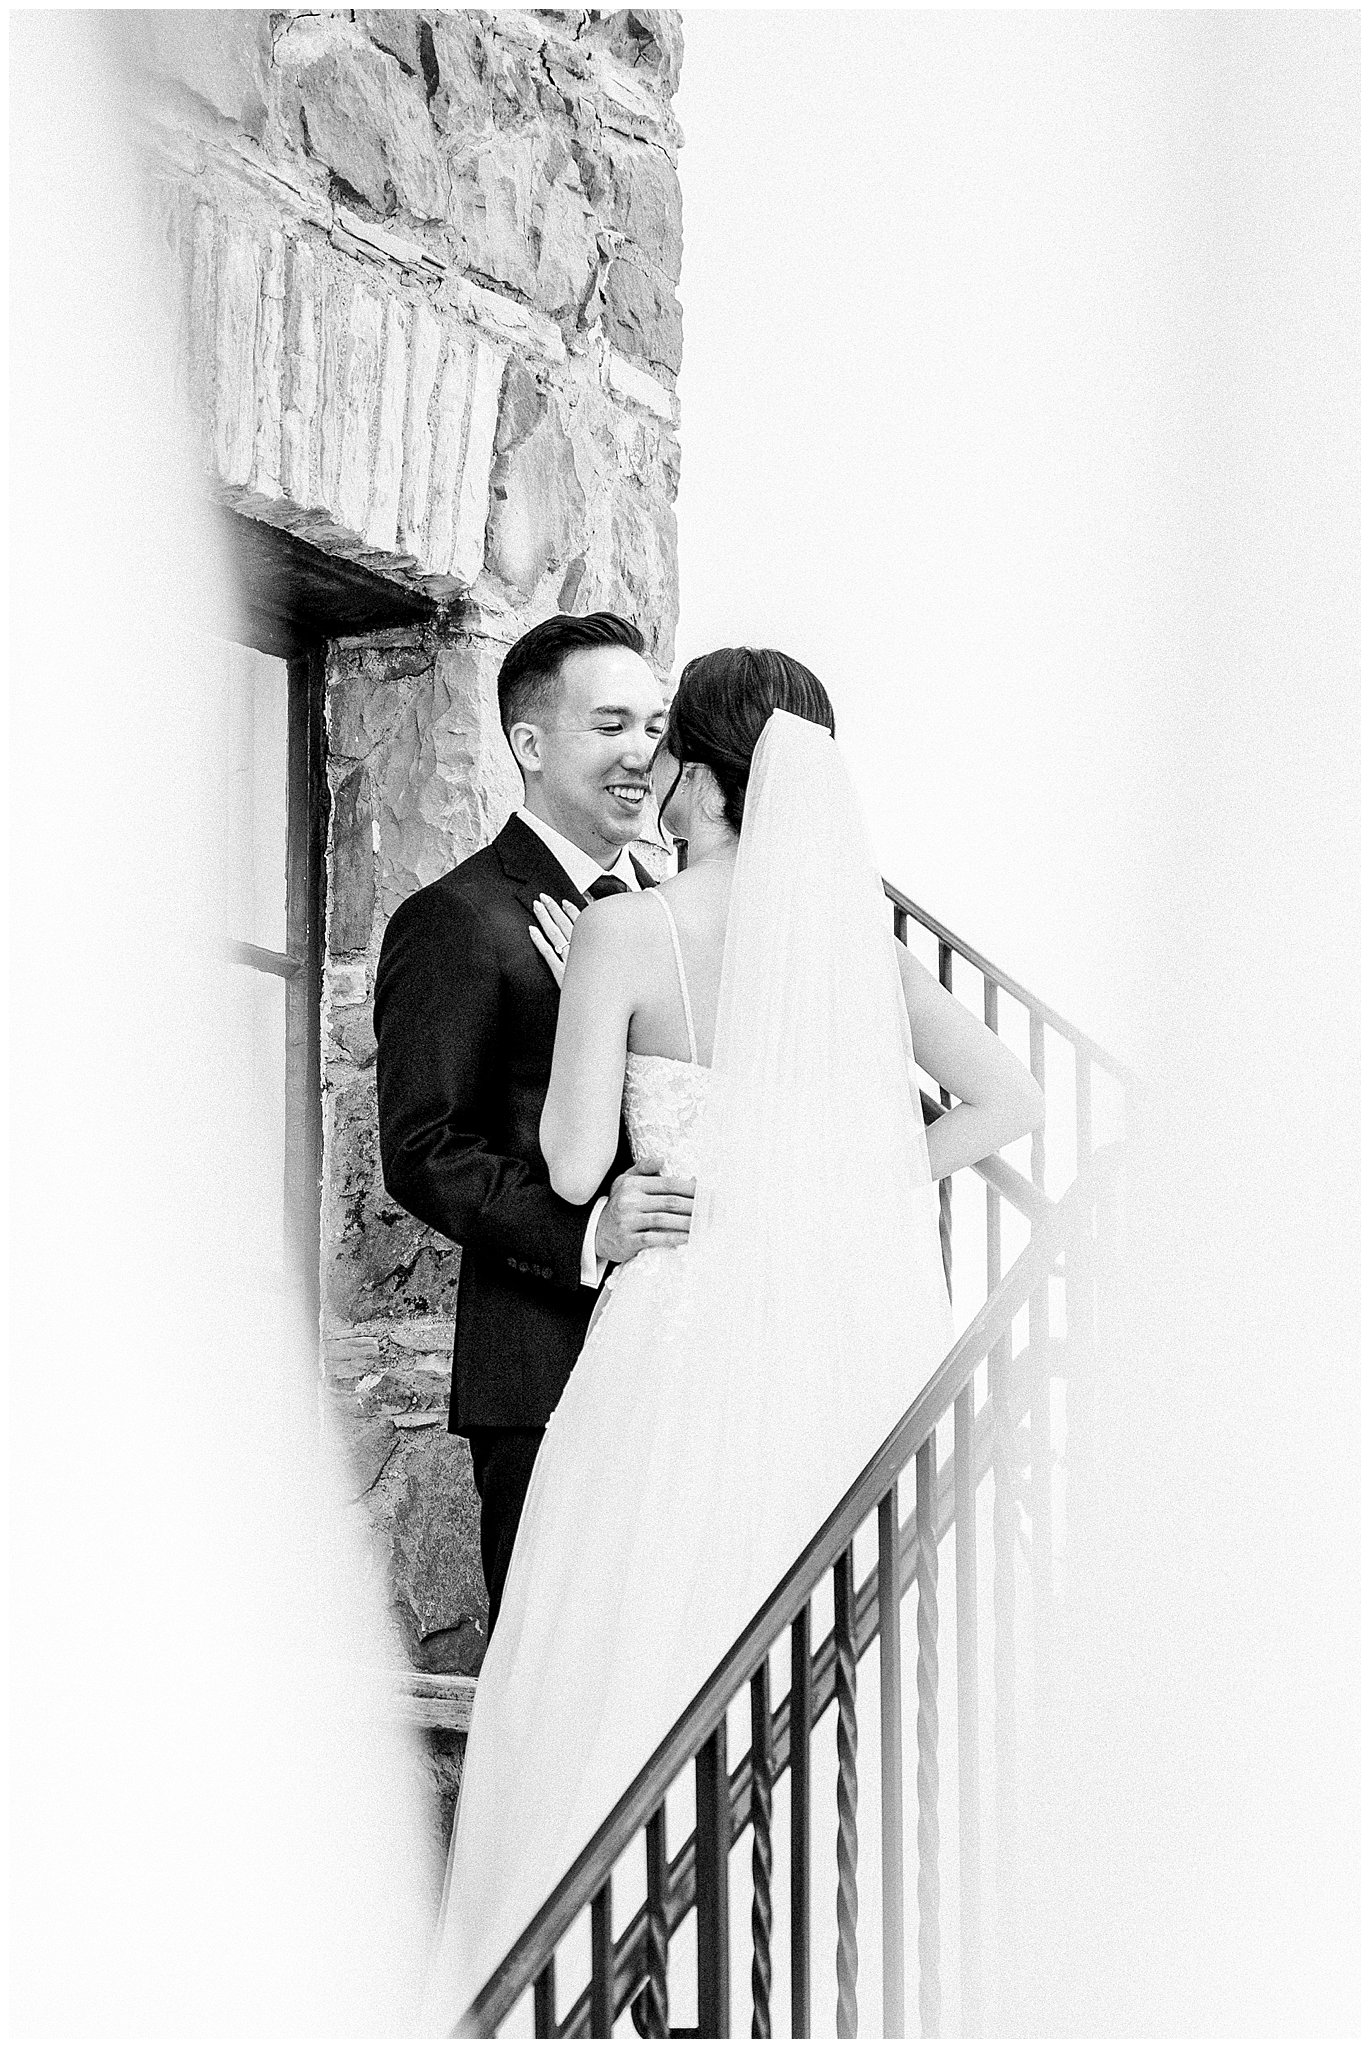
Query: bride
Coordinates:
[746,1020]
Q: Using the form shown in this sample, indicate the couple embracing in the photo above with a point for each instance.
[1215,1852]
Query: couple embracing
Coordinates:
[677,1132]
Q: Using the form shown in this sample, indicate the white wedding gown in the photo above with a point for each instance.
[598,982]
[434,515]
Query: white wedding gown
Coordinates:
[724,1400]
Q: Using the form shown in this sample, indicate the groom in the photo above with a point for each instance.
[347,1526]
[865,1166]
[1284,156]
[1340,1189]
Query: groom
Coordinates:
[466,1016]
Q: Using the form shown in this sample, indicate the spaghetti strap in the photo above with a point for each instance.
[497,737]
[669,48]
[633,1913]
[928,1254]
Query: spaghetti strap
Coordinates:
[680,971]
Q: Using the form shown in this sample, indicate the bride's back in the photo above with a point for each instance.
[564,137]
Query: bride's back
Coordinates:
[698,902]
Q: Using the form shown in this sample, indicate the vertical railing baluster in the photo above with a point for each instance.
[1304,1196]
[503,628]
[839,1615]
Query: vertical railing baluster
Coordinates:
[929,1840]
[545,2001]
[968,1705]
[1039,1359]
[801,1726]
[1079,1339]
[713,1834]
[844,1657]
[891,1765]
[901,925]
[602,1962]
[763,1777]
[1005,1661]
[944,958]
[651,2005]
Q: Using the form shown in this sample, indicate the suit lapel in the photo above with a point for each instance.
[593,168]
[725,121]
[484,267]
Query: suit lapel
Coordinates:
[532,866]
[534,869]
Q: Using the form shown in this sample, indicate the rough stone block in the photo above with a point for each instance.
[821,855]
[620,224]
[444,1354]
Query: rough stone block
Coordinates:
[351,1035]
[222,54]
[267,371]
[203,337]
[448,443]
[347,982]
[537,508]
[649,39]
[435,1551]
[382,520]
[369,1450]
[568,255]
[424,355]
[642,201]
[378,1261]
[521,406]
[337,341]
[352,867]
[235,335]
[643,558]
[362,385]
[642,313]
[473,494]
[301,372]
[630,382]
[424,1337]
[448,781]
[396,29]
[494,185]
[367,119]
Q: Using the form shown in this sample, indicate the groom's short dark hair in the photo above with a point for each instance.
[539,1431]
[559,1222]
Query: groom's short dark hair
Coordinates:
[528,674]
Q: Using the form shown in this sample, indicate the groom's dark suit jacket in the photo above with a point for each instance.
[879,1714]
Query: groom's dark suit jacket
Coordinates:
[466,1016]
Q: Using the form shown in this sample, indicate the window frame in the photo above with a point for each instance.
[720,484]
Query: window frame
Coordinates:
[300,966]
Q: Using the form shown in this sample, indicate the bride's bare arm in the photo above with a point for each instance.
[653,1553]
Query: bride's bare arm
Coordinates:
[580,1118]
[997,1098]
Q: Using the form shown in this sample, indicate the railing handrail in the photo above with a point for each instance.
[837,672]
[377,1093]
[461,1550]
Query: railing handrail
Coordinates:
[538,1942]
[974,958]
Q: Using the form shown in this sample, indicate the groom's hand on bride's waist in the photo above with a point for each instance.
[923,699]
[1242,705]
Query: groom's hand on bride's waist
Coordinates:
[647,1210]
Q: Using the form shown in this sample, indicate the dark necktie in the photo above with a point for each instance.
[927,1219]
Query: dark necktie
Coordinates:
[607,885]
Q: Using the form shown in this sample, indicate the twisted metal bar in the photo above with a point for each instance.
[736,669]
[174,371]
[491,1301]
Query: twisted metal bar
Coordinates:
[968,1705]
[1039,1333]
[763,1777]
[1005,1675]
[888,1577]
[944,960]
[545,2002]
[650,2010]
[844,1641]
[929,1839]
[797,1746]
[713,1838]
[602,1962]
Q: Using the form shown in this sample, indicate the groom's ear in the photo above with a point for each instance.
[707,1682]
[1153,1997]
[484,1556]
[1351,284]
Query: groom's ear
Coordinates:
[525,741]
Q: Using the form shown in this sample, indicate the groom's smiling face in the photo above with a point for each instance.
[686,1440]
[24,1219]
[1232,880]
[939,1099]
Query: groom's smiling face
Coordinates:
[586,760]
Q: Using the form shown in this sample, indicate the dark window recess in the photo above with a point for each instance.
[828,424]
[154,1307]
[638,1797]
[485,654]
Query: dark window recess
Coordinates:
[291,599]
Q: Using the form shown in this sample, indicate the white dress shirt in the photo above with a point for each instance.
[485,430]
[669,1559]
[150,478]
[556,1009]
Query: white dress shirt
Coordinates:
[583,869]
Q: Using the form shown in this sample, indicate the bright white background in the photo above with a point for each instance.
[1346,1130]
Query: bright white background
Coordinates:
[1020,400]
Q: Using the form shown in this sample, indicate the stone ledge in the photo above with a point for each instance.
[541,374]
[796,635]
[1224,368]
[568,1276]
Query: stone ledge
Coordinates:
[629,382]
[433,1701]
[422,1699]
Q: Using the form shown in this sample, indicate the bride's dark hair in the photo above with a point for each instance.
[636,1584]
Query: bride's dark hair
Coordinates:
[721,706]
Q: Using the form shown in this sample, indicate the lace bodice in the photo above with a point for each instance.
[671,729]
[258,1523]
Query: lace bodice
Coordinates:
[663,1099]
[663,1107]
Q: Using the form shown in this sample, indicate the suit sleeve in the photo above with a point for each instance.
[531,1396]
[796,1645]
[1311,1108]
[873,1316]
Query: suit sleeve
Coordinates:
[437,1018]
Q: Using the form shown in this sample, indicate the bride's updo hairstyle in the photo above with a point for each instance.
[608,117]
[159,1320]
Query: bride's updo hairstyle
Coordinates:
[721,706]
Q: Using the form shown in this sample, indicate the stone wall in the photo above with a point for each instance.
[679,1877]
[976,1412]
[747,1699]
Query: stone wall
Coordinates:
[423,271]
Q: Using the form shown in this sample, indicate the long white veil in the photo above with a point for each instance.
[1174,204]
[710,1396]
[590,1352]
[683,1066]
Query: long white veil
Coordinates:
[817,1306]
[732,1392]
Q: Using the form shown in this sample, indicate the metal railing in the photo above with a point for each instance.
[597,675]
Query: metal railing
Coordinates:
[630,1970]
